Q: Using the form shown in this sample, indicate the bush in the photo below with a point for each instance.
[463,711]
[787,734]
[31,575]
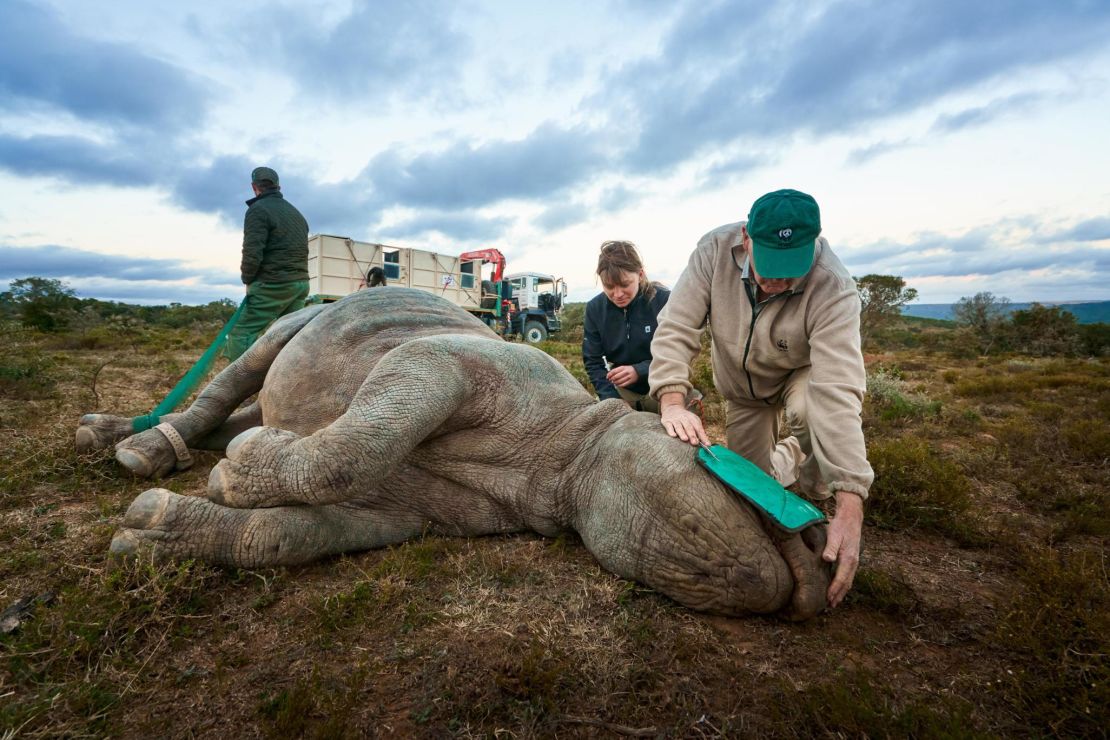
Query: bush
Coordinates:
[1045,330]
[915,489]
[1058,629]
[985,316]
[887,392]
[40,303]
[1094,339]
[26,375]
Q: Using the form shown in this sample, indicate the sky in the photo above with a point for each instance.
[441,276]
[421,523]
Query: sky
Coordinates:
[960,145]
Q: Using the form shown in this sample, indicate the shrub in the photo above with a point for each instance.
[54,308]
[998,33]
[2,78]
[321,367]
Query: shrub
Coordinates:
[1058,630]
[1095,339]
[879,590]
[881,300]
[41,303]
[1087,441]
[1045,330]
[915,489]
[887,392]
[26,375]
[985,316]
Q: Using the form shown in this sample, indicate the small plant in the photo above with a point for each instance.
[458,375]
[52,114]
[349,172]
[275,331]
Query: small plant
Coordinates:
[888,392]
[885,592]
[1058,631]
[26,376]
[916,489]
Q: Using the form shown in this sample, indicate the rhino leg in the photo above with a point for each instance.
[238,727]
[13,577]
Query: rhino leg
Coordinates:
[812,575]
[172,526]
[97,431]
[149,454]
[408,395]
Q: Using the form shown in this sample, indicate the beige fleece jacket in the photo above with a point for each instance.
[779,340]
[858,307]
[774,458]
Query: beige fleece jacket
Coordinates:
[817,326]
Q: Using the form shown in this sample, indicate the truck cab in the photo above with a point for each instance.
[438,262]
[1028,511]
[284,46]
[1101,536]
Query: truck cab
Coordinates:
[539,302]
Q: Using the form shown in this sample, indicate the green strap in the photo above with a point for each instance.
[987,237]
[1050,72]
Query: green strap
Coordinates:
[191,379]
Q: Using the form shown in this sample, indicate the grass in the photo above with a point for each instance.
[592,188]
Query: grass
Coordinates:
[1057,631]
[917,489]
[984,565]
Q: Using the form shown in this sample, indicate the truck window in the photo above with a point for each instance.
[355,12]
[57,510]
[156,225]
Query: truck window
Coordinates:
[391,263]
[466,273]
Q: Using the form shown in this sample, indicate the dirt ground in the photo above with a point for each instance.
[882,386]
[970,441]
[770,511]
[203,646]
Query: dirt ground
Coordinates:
[980,608]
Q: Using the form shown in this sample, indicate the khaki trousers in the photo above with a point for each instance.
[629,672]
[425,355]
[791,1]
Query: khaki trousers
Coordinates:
[752,431]
[638,401]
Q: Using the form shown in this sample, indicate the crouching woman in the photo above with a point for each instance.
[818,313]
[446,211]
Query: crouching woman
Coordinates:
[619,326]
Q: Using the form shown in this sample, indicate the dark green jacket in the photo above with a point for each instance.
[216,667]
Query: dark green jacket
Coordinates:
[275,241]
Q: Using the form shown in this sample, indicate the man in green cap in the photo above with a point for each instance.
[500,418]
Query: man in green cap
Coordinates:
[275,261]
[785,323]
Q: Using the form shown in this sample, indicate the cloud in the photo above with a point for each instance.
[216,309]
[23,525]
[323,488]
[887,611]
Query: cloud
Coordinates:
[999,248]
[732,168]
[45,65]
[73,158]
[984,114]
[865,154]
[469,176]
[53,261]
[1091,230]
[377,50]
[731,72]
[463,227]
[561,215]
[617,198]
[153,292]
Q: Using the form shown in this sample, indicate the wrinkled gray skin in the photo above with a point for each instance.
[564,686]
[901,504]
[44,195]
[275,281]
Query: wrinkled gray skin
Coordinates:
[393,413]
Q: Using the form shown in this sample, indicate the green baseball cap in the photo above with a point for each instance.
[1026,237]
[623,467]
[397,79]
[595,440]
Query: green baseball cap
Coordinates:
[264,173]
[784,226]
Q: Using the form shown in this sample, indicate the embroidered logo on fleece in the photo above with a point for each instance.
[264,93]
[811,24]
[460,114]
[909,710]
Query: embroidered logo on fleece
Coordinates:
[781,344]
[647,330]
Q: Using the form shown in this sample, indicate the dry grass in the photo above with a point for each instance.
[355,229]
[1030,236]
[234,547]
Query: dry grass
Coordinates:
[980,608]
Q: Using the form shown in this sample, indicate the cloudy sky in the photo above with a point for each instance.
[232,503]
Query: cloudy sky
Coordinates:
[961,145]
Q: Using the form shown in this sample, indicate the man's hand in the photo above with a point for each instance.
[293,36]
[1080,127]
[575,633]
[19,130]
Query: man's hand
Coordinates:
[842,547]
[622,376]
[679,421]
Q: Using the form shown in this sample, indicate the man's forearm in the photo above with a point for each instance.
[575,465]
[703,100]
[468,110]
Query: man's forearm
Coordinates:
[674,398]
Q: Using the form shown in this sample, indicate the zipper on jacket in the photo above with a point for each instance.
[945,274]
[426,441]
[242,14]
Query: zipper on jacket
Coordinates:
[757,308]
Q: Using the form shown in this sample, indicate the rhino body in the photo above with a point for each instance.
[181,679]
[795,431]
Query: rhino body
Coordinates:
[392,414]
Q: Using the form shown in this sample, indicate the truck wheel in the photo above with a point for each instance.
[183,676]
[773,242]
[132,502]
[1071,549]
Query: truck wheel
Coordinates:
[534,332]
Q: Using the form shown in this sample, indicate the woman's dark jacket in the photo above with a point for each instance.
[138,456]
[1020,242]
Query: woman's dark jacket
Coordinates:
[622,336]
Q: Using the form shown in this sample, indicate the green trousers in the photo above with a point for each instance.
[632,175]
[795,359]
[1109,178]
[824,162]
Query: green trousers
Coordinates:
[265,302]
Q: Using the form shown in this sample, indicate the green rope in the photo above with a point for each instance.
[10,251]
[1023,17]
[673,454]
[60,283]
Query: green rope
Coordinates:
[191,379]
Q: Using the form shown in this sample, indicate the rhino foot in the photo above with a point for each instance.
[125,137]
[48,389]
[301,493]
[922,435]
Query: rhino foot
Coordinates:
[100,431]
[144,522]
[812,575]
[249,477]
[147,454]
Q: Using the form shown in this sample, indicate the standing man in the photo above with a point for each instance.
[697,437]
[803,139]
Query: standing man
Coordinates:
[275,261]
[785,319]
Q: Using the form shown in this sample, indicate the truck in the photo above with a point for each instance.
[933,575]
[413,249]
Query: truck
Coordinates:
[524,304]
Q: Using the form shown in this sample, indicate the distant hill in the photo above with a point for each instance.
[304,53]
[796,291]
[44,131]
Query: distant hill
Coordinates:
[1092,312]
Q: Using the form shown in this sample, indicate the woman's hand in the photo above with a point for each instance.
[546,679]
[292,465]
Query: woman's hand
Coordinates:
[622,376]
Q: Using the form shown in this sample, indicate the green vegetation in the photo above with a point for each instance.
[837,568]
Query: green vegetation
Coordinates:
[881,299]
[1056,632]
[980,608]
[917,489]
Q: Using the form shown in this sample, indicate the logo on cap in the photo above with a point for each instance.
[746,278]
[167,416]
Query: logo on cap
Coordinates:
[785,234]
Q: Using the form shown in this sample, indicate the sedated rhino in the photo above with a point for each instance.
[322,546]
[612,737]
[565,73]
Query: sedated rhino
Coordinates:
[393,413]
